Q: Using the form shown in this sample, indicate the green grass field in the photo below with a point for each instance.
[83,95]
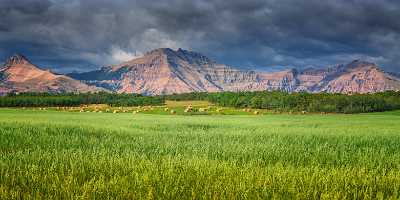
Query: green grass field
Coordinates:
[71,155]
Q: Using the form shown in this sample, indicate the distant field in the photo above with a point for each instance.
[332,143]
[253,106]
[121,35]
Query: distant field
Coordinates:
[186,103]
[72,155]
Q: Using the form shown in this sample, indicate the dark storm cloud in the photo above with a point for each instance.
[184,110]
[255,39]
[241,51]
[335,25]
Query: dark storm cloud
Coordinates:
[73,34]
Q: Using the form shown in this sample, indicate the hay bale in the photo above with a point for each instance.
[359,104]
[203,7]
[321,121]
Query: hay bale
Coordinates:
[166,109]
[188,109]
[303,112]
[115,111]
[256,112]
[173,112]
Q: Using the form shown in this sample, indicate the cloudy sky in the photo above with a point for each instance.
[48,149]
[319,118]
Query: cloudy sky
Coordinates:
[82,35]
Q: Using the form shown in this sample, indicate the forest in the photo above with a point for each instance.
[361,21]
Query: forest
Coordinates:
[271,100]
[72,99]
[300,102]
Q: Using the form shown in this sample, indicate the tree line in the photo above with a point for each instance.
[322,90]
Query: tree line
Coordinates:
[272,100]
[72,99]
[300,102]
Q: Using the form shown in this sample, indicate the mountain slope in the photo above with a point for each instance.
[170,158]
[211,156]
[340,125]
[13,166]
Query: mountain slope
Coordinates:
[165,71]
[355,77]
[20,75]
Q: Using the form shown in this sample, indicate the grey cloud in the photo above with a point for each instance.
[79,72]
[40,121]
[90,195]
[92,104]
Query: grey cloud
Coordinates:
[251,34]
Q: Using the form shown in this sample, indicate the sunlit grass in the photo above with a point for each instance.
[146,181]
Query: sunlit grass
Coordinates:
[53,154]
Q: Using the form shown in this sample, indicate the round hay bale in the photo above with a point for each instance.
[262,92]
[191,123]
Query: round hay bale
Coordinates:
[115,111]
[173,112]
[256,112]
[166,109]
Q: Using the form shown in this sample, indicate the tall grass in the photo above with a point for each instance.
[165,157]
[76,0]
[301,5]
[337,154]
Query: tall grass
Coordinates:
[52,155]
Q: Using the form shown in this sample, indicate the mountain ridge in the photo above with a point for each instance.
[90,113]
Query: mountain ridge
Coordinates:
[188,71]
[18,74]
[166,71]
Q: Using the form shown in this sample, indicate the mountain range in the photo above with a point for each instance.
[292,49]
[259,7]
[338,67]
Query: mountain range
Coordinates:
[166,71]
[18,74]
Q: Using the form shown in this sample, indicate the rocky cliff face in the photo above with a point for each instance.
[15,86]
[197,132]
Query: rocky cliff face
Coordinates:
[165,71]
[355,77]
[19,75]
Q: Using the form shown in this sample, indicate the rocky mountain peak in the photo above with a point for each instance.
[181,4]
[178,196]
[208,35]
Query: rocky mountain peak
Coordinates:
[181,54]
[359,64]
[159,51]
[17,59]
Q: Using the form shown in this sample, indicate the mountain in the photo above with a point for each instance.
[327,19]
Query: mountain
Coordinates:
[165,71]
[18,74]
[355,77]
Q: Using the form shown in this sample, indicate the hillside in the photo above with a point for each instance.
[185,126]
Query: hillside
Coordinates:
[19,75]
[165,71]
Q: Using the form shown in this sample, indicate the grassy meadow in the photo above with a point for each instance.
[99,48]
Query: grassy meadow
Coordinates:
[52,154]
